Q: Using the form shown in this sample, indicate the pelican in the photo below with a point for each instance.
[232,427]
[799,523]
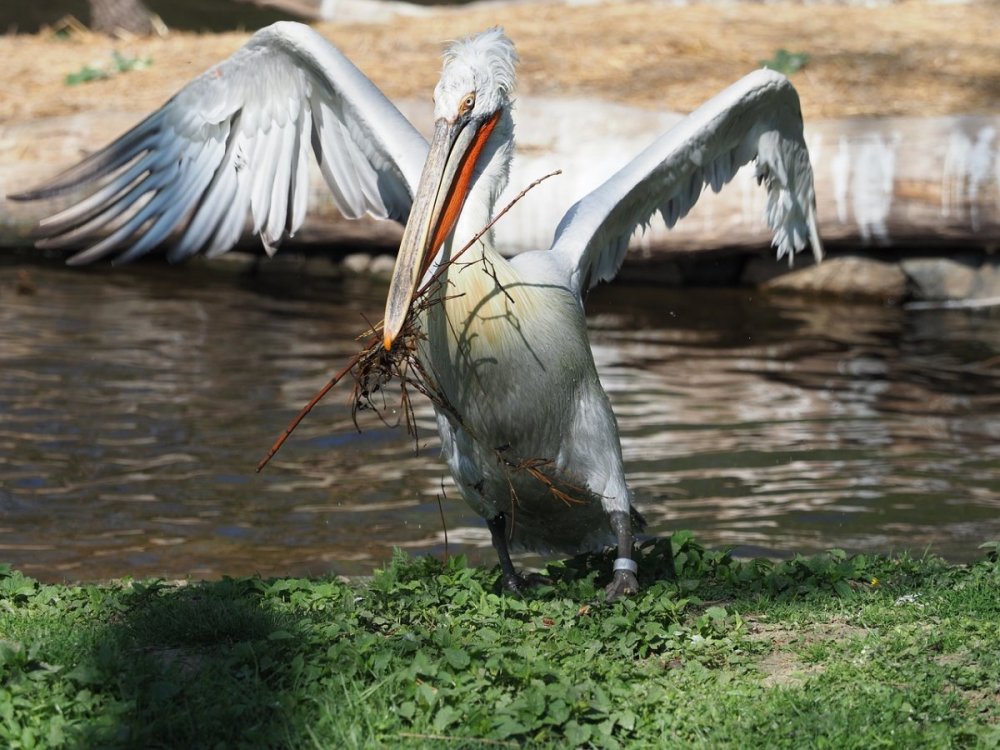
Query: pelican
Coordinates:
[529,436]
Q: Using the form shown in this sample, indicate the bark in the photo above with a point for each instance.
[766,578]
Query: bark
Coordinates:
[116,16]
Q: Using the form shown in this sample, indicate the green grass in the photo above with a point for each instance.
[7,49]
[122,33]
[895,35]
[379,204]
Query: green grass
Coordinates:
[119,64]
[786,62]
[831,651]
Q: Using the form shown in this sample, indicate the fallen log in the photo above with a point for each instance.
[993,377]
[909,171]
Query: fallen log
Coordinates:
[881,183]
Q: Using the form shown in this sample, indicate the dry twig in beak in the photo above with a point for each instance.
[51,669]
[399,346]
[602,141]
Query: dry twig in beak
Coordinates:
[374,367]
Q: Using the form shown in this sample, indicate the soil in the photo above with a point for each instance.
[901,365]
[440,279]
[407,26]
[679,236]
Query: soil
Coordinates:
[910,58]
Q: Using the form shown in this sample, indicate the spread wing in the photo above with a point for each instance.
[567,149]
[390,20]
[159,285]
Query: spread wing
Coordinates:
[234,145]
[758,118]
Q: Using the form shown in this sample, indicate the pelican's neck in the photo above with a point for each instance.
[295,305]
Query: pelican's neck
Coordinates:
[489,180]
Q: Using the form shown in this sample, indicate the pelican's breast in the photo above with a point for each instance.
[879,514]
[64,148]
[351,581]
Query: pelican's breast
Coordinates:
[509,353]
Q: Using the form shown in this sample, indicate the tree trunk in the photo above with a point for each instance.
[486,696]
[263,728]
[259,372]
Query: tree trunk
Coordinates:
[116,16]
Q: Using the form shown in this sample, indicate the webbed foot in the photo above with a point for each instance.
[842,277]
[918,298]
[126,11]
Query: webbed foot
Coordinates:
[512,580]
[624,583]
[520,584]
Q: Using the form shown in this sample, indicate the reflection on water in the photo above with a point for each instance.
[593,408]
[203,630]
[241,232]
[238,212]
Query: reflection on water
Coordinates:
[134,404]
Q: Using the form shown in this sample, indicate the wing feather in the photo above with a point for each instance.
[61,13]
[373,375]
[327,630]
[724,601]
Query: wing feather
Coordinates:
[264,161]
[332,152]
[298,197]
[218,199]
[278,215]
[97,208]
[757,118]
[232,148]
[233,222]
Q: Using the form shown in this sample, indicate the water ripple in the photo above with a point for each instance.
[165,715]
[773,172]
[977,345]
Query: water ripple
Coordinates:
[135,402]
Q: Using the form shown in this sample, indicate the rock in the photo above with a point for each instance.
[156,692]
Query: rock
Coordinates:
[847,276]
[382,265]
[987,281]
[357,262]
[941,278]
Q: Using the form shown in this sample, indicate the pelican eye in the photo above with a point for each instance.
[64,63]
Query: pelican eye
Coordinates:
[467,104]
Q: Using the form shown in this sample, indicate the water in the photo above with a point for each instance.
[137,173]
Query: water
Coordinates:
[135,402]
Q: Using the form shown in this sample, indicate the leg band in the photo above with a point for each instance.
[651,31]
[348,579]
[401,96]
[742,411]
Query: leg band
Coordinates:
[625,563]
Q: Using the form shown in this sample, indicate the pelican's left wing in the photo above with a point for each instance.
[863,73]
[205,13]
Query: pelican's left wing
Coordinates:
[233,146]
[758,117]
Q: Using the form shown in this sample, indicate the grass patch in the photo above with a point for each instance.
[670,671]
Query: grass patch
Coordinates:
[119,64]
[828,651]
[786,62]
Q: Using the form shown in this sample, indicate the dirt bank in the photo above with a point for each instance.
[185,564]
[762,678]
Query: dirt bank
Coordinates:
[908,59]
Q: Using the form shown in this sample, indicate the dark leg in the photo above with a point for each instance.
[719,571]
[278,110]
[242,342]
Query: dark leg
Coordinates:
[512,580]
[498,531]
[624,582]
[671,567]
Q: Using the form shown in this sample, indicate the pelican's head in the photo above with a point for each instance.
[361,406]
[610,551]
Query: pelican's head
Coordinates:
[469,100]
[480,66]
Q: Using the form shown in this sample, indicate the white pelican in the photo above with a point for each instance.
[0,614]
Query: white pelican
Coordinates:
[507,342]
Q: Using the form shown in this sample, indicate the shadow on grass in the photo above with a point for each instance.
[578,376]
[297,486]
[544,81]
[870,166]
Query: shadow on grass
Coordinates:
[201,665]
[427,649]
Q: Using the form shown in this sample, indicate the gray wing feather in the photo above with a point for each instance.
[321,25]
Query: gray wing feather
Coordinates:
[758,118]
[231,150]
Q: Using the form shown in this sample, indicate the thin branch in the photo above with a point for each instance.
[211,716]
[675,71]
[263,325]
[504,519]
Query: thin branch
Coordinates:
[373,366]
[453,738]
[444,525]
[276,446]
[485,229]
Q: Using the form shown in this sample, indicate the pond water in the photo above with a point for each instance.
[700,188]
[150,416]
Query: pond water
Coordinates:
[135,403]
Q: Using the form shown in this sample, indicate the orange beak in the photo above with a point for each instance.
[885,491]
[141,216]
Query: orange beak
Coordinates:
[444,185]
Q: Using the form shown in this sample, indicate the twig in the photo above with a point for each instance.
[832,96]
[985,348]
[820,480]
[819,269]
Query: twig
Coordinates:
[490,270]
[452,738]
[393,364]
[533,467]
[276,446]
[484,230]
[443,524]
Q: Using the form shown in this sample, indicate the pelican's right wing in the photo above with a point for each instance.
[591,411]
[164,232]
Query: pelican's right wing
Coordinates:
[234,144]
[758,117]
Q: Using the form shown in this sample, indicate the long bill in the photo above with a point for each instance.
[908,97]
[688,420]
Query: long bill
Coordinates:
[444,185]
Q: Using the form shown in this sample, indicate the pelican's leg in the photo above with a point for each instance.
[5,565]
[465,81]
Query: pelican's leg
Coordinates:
[512,580]
[498,531]
[624,582]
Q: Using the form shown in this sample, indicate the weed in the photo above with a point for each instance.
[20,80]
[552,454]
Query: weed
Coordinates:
[786,62]
[733,653]
[119,64]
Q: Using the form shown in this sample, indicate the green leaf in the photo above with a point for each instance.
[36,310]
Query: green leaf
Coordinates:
[786,62]
[507,726]
[426,694]
[407,709]
[577,734]
[626,720]
[445,717]
[843,588]
[716,613]
[457,658]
